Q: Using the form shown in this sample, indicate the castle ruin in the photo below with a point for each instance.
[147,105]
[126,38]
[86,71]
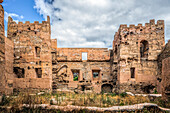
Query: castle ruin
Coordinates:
[30,59]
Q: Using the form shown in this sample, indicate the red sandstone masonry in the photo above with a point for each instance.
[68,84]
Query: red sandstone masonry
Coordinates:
[126,47]
[36,55]
[32,51]
[75,54]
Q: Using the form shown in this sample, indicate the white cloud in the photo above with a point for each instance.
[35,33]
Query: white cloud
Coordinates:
[93,23]
[16,17]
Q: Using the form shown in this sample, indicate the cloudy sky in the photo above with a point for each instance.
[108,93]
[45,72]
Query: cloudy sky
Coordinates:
[89,23]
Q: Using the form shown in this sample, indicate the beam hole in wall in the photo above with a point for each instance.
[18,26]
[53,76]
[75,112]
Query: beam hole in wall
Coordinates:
[14,34]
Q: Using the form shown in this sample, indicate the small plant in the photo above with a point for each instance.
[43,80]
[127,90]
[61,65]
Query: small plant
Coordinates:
[113,94]
[155,91]
[75,78]
[124,94]
[5,100]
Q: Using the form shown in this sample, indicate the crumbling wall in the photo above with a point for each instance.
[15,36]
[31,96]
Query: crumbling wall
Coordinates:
[164,54]
[166,79]
[135,50]
[6,59]
[32,53]
[163,75]
[75,54]
[2,49]
[70,60]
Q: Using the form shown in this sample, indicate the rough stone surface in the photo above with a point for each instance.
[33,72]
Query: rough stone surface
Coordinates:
[166,79]
[32,54]
[70,59]
[6,59]
[163,55]
[135,51]
[30,59]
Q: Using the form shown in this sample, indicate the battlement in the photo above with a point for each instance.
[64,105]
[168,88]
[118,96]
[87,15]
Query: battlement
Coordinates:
[34,28]
[28,23]
[151,23]
[126,32]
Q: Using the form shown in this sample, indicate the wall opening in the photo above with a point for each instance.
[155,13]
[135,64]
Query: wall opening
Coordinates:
[115,50]
[20,72]
[107,88]
[75,75]
[144,49]
[83,88]
[96,74]
[38,72]
[37,51]
[84,55]
[132,71]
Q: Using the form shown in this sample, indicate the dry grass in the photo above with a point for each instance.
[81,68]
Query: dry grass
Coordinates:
[62,99]
[98,100]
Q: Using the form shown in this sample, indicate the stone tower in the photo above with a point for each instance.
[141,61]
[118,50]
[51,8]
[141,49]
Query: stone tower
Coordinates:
[135,52]
[32,54]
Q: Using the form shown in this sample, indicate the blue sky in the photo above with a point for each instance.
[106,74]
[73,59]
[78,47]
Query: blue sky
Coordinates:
[88,23]
[23,8]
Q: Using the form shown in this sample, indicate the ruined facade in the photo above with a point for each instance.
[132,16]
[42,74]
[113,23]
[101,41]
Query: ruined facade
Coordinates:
[32,54]
[135,52]
[82,68]
[164,71]
[30,59]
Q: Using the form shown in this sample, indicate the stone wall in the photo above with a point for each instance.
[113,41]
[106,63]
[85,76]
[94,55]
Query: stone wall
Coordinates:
[164,54]
[32,53]
[30,59]
[75,54]
[163,75]
[135,51]
[70,59]
[6,58]
[2,49]
[166,79]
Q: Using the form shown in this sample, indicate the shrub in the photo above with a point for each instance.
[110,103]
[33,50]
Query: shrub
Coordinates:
[123,94]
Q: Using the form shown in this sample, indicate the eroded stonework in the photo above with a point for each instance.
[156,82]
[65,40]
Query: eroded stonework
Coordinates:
[30,59]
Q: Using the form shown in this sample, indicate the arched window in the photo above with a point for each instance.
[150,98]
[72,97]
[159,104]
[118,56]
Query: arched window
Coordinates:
[144,49]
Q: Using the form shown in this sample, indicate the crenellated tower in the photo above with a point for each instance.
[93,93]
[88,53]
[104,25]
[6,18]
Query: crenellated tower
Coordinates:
[135,52]
[32,53]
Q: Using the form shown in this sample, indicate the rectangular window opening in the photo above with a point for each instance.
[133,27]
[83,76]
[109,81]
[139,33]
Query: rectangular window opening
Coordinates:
[37,51]
[38,72]
[84,56]
[20,72]
[132,70]
[75,75]
[95,73]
